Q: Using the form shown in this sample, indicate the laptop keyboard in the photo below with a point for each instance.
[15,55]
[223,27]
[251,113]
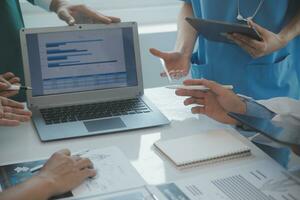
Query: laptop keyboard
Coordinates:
[93,111]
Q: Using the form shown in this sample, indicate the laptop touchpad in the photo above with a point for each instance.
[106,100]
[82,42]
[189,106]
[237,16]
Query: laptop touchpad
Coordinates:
[104,124]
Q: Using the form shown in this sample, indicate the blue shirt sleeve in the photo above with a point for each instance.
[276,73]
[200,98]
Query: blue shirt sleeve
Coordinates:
[256,109]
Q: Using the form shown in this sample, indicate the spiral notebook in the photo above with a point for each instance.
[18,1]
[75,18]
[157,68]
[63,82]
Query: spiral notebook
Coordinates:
[203,148]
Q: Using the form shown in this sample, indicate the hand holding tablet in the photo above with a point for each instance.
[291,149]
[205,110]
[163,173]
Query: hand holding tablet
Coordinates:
[218,30]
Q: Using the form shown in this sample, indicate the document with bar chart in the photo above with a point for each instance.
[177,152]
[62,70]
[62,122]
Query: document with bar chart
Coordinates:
[82,60]
[258,181]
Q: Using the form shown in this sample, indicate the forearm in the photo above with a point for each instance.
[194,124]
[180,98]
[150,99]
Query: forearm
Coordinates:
[186,35]
[292,29]
[33,189]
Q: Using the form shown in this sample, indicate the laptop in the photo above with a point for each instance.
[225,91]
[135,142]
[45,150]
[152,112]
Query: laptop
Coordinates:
[86,80]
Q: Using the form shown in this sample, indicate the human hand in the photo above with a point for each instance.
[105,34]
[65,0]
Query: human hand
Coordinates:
[12,112]
[79,13]
[64,172]
[177,63]
[6,80]
[215,103]
[270,41]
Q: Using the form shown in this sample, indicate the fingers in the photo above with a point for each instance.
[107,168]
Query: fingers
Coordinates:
[8,75]
[92,14]
[84,163]
[7,122]
[15,117]
[87,173]
[14,80]
[244,45]
[114,19]
[157,53]
[85,166]
[11,103]
[17,111]
[178,74]
[9,93]
[194,82]
[198,110]
[4,84]
[255,44]
[190,93]
[64,15]
[1,109]
[66,152]
[258,28]
[193,100]
[213,86]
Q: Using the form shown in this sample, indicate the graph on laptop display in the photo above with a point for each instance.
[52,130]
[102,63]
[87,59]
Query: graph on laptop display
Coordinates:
[72,61]
[82,60]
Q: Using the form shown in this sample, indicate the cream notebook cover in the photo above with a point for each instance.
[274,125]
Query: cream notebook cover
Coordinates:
[211,146]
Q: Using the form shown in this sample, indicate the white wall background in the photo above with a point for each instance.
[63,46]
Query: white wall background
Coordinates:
[156,19]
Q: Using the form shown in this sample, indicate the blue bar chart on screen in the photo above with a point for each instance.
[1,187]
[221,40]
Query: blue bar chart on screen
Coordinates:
[83,60]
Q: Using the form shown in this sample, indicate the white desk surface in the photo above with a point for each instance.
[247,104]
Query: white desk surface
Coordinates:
[22,143]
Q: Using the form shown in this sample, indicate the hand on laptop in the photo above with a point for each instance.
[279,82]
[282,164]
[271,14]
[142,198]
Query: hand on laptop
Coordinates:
[79,13]
[215,103]
[270,41]
[12,112]
[6,80]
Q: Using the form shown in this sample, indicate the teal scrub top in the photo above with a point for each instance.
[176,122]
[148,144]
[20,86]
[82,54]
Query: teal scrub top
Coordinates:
[277,74]
[11,22]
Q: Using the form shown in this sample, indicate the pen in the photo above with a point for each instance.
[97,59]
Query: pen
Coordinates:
[153,196]
[18,87]
[166,70]
[38,167]
[195,87]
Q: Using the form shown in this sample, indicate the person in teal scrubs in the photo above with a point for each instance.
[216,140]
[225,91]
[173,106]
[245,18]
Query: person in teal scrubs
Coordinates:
[260,69]
[11,22]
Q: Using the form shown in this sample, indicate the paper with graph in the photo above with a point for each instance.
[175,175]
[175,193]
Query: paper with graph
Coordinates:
[258,181]
[114,173]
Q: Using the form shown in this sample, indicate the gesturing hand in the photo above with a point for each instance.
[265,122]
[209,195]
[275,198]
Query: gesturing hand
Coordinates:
[79,13]
[65,172]
[6,80]
[215,103]
[12,112]
[270,41]
[177,64]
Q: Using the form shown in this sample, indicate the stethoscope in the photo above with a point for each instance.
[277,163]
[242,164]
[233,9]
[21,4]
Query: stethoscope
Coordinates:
[240,17]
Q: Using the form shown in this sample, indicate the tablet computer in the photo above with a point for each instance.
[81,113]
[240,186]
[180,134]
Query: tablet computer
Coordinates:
[279,131]
[217,30]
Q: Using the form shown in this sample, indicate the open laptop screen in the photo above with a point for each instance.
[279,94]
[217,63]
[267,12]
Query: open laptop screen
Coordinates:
[82,60]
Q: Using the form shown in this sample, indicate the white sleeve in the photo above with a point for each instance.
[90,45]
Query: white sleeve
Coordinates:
[43,4]
[282,105]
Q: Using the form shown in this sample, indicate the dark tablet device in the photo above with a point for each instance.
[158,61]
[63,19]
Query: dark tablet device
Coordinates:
[282,132]
[217,30]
